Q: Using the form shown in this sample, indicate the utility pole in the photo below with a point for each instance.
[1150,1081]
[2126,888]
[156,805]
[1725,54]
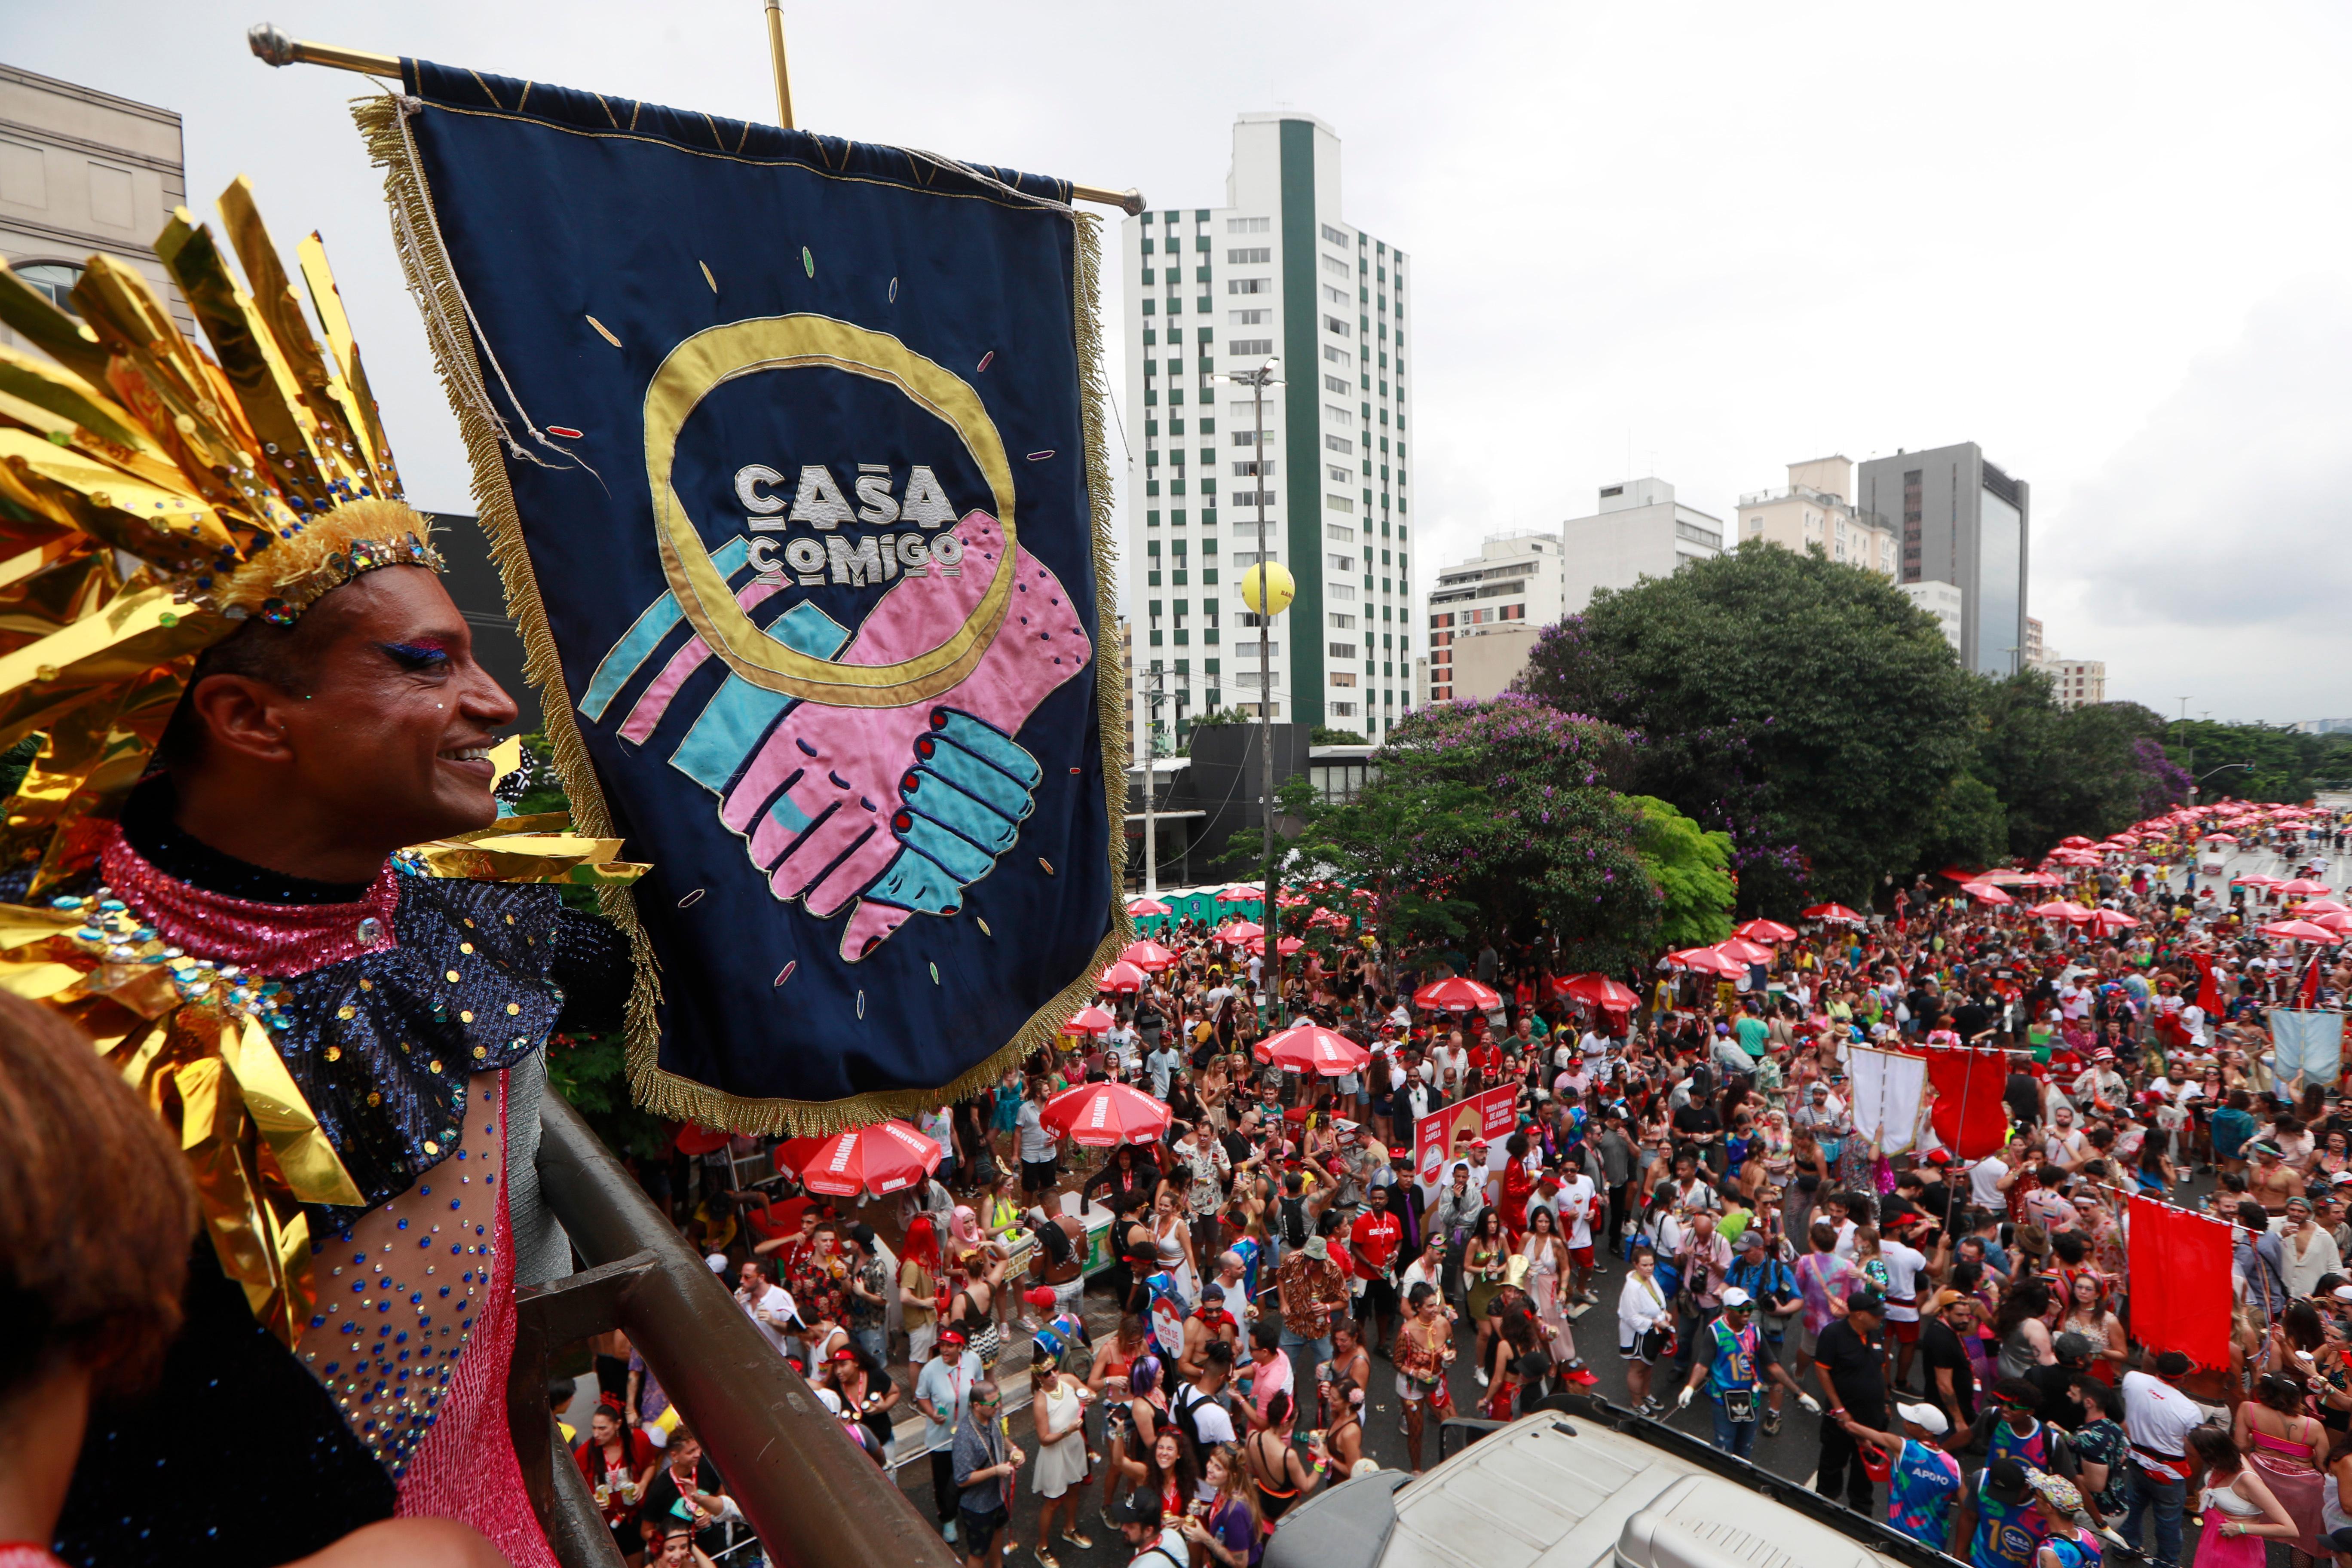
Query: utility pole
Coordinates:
[1154,694]
[1257,381]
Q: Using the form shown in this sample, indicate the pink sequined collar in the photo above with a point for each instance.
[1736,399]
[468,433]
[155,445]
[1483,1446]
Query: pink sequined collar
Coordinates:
[277,940]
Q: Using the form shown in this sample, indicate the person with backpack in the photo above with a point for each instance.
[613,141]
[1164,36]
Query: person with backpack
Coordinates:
[1198,1407]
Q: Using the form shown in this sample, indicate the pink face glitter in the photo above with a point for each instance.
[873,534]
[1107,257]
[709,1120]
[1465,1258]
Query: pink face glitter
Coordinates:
[277,941]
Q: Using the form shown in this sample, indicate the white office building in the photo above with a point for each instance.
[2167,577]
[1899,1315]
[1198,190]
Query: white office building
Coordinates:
[1276,271]
[1485,612]
[1639,531]
[1941,600]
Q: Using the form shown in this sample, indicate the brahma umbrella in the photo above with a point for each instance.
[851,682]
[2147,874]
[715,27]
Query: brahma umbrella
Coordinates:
[2301,931]
[1103,1115]
[885,1157]
[1835,914]
[1706,960]
[1986,893]
[2074,841]
[2305,886]
[1144,909]
[1740,950]
[1285,947]
[1311,1047]
[1456,994]
[1238,895]
[1764,931]
[1089,1020]
[1598,990]
[1149,956]
[1122,978]
[1234,932]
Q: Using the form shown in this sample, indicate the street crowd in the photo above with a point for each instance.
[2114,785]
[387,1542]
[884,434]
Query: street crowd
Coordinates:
[1283,1252]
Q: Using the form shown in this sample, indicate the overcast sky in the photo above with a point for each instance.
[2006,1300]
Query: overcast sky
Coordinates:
[2108,242]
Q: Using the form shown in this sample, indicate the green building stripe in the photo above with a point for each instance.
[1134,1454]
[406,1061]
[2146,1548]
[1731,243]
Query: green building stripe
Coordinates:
[1302,371]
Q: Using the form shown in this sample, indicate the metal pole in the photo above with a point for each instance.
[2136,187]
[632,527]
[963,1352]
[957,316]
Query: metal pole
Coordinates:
[1273,937]
[271,46]
[776,56]
[1151,780]
[815,1500]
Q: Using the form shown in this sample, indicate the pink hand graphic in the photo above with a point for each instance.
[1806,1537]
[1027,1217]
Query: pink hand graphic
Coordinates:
[826,801]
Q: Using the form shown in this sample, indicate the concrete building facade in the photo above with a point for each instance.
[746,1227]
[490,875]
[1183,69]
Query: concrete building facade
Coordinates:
[1816,508]
[1940,600]
[1638,531]
[1276,272]
[1514,585]
[2075,682]
[80,171]
[1963,521]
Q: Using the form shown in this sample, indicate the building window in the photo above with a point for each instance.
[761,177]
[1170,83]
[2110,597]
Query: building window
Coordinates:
[1334,354]
[1336,235]
[1249,285]
[1245,318]
[1334,296]
[1342,709]
[1245,224]
[54,281]
[1338,415]
[1341,591]
[1335,474]
[1339,534]
[1252,256]
[1335,383]
[1335,267]
[1248,468]
[1335,324]
[1249,348]
[1338,444]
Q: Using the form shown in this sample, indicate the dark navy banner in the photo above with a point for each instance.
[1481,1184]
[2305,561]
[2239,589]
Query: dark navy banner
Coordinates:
[788,450]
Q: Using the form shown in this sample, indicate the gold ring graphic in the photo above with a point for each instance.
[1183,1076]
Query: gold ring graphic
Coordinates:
[716,356]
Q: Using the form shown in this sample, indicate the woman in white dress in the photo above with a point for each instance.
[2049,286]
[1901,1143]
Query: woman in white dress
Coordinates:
[1058,1404]
[1546,1252]
[1641,1305]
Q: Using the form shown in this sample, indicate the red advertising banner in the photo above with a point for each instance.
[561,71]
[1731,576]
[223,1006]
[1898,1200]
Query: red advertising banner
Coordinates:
[1445,1135]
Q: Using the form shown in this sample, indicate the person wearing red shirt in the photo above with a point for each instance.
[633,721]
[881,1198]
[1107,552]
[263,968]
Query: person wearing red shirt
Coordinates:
[1373,1243]
[1517,1185]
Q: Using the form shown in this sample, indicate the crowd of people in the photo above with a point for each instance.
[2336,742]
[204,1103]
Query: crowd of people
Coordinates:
[1958,1331]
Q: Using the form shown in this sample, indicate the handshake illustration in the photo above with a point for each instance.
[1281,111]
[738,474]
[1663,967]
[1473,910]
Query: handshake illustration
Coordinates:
[900,809]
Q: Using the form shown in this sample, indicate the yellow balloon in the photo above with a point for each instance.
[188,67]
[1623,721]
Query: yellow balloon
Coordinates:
[1268,580]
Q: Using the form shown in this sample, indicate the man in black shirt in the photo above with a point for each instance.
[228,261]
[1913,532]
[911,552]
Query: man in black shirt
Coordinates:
[1852,1356]
[688,1491]
[1951,1378]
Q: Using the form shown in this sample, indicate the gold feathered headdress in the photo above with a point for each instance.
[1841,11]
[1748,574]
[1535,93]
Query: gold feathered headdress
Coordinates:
[152,497]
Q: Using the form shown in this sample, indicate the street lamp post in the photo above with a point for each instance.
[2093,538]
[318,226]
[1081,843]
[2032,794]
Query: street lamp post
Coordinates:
[2201,778]
[1257,381]
[1155,694]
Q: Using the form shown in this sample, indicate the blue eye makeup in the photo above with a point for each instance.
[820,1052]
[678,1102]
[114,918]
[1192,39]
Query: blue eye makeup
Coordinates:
[415,656]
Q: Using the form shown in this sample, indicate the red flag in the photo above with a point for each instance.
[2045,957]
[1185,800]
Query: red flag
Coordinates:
[1969,1115]
[2308,995]
[2208,995]
[2179,1264]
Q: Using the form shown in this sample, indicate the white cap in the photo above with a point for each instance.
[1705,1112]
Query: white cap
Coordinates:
[1929,1418]
[718,1262]
[1736,1296]
[831,1401]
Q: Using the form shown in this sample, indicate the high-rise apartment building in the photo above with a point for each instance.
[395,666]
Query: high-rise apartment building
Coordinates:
[1639,531]
[1964,522]
[84,171]
[2075,682]
[1276,272]
[1816,508]
[1485,612]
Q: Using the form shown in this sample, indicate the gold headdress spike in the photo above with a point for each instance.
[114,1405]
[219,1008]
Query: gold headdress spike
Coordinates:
[152,496]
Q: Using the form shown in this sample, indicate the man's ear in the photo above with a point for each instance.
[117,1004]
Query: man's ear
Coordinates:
[243,715]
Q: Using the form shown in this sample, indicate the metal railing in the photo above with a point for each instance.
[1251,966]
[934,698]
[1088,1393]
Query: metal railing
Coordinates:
[812,1497]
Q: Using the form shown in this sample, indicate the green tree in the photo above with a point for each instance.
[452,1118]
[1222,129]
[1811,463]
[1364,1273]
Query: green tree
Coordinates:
[1692,869]
[2057,772]
[1967,826]
[1502,813]
[1806,707]
[1325,735]
[2285,764]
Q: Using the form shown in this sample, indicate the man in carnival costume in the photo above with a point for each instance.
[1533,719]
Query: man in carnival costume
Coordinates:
[254,698]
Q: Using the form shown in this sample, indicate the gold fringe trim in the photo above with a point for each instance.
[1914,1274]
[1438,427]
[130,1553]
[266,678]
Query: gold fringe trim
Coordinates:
[430,280]
[657,1090]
